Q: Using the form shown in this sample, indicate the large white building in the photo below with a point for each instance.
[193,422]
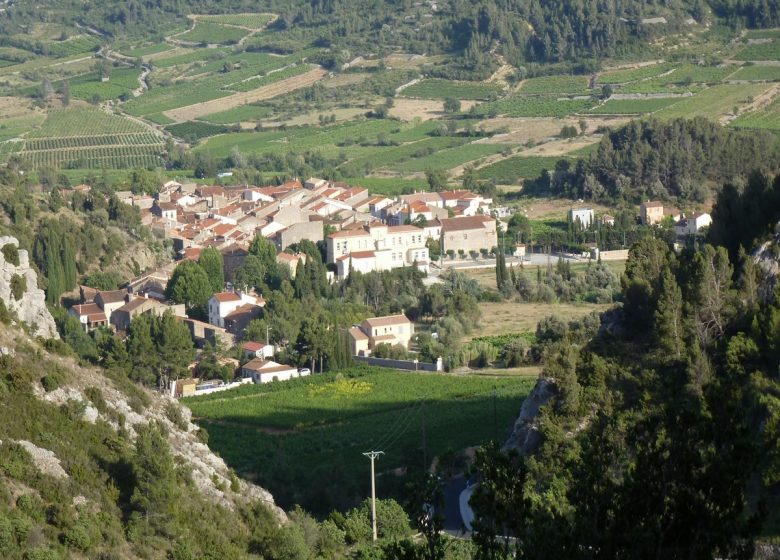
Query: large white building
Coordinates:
[584,216]
[378,247]
[224,303]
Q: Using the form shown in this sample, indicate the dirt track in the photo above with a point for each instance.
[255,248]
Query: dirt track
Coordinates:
[198,110]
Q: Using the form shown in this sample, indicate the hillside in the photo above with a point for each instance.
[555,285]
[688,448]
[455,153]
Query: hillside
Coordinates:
[92,464]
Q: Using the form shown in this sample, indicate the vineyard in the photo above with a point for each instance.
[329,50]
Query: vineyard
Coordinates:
[194,131]
[633,106]
[634,74]
[317,427]
[251,21]
[757,73]
[768,119]
[453,157]
[441,89]
[146,51]
[760,51]
[535,106]
[556,84]
[275,76]
[239,114]
[87,137]
[213,33]
[714,102]
[513,170]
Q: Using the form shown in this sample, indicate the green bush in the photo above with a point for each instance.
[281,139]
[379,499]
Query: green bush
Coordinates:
[76,537]
[18,286]
[52,381]
[392,521]
[95,396]
[5,315]
[42,553]
[173,413]
[11,254]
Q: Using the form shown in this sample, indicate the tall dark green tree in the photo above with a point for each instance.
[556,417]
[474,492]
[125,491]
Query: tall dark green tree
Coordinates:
[213,265]
[190,285]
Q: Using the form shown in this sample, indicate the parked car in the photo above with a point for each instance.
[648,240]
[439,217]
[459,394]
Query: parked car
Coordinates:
[304,371]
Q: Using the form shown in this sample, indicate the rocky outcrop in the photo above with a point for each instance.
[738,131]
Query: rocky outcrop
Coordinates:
[525,433]
[31,306]
[767,257]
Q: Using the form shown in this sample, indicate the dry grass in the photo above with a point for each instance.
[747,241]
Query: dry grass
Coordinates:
[16,107]
[561,147]
[345,79]
[538,129]
[313,118]
[512,317]
[191,112]
[426,109]
[555,208]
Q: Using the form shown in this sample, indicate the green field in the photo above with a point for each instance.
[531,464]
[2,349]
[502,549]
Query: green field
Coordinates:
[16,126]
[441,89]
[760,51]
[389,186]
[450,158]
[252,21]
[536,106]
[556,84]
[303,439]
[633,106]
[146,51]
[757,73]
[122,81]
[89,138]
[390,157]
[213,33]
[512,170]
[194,55]
[768,118]
[713,102]
[634,74]
[242,113]
[299,139]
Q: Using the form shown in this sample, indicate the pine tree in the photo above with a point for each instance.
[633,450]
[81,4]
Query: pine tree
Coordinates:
[156,492]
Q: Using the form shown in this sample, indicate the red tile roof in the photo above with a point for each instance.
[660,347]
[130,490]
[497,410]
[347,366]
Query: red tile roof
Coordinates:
[224,297]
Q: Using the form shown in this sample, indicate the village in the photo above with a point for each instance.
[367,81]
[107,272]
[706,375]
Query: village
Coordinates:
[355,231]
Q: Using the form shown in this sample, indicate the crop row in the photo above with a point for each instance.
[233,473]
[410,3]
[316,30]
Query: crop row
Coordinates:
[514,169]
[254,83]
[441,89]
[633,106]
[238,114]
[634,74]
[453,157]
[556,84]
[205,32]
[760,51]
[252,21]
[146,51]
[85,121]
[143,139]
[113,157]
[768,119]
[535,106]
[757,73]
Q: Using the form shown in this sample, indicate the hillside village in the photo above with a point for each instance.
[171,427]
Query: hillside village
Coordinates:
[354,230]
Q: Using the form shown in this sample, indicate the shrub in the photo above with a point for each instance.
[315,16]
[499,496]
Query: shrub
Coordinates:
[95,396]
[52,381]
[11,254]
[18,286]
[5,315]
[76,537]
[392,521]
[173,413]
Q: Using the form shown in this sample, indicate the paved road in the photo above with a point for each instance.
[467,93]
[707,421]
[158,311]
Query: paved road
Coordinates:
[457,513]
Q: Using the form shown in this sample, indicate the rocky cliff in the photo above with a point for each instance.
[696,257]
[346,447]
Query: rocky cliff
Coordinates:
[19,289]
[525,432]
[767,257]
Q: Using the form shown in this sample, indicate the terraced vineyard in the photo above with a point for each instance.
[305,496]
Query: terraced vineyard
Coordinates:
[512,170]
[536,106]
[757,73]
[556,84]
[86,137]
[441,89]
[761,51]
[213,33]
[251,21]
[633,106]
[768,119]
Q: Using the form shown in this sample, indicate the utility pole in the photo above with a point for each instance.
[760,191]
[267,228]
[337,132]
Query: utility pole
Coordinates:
[373,455]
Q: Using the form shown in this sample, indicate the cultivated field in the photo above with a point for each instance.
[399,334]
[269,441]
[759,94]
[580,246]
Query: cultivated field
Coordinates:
[442,89]
[303,438]
[197,110]
[90,138]
[512,317]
